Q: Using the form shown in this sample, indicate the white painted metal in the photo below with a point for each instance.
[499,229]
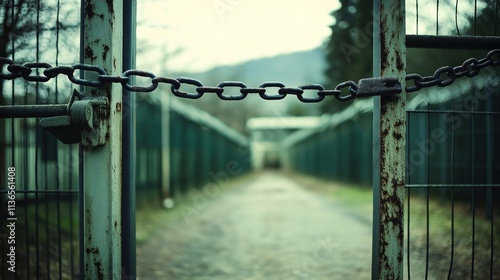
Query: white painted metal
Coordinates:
[389,141]
[102,170]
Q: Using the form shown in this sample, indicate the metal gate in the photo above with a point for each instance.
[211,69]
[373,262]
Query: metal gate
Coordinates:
[99,116]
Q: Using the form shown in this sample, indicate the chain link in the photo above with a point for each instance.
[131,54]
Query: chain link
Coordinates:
[446,75]
[442,77]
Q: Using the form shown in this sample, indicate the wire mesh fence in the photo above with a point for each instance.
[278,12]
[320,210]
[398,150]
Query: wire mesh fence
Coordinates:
[452,190]
[452,160]
[453,186]
[39,215]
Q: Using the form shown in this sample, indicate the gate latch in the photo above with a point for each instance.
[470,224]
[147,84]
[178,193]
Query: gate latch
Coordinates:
[379,86]
[85,123]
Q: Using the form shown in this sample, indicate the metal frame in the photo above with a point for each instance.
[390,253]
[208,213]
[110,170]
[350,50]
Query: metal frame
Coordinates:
[452,42]
[389,142]
[102,165]
[129,144]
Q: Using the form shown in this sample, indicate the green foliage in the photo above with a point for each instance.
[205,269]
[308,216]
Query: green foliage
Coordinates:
[349,48]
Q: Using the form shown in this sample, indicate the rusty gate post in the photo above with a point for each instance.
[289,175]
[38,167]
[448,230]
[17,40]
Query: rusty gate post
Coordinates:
[102,153]
[389,142]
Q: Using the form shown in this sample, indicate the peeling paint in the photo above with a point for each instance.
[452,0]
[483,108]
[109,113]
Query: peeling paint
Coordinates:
[109,3]
[390,228]
[102,255]
[89,9]
[105,51]
[89,53]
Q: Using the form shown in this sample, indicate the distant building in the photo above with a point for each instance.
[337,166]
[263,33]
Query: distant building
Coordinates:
[267,133]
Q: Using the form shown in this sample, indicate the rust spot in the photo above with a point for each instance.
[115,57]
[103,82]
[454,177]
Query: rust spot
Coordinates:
[399,63]
[88,221]
[384,133]
[105,52]
[384,50]
[116,223]
[397,135]
[110,6]
[89,53]
[119,107]
[89,9]
[383,178]
[92,250]
[98,266]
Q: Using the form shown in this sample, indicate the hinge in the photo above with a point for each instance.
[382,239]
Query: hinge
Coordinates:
[86,123]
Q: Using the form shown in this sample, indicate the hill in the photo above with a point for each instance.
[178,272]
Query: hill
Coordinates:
[293,69]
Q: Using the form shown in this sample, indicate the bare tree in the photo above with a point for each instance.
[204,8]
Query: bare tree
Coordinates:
[31,30]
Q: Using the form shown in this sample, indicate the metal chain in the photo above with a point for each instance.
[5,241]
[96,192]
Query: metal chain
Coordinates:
[446,75]
[443,76]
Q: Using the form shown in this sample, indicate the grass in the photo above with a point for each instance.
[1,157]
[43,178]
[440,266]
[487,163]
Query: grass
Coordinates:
[151,219]
[359,200]
[356,198]
[46,238]
[440,245]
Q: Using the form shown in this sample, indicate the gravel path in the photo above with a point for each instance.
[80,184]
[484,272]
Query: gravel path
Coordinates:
[267,227]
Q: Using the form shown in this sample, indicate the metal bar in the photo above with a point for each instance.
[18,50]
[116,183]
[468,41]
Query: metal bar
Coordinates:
[43,191]
[33,111]
[489,179]
[408,202]
[427,201]
[389,142]
[452,175]
[128,149]
[452,112]
[453,186]
[166,191]
[452,42]
[473,194]
[102,164]
[70,210]
[81,207]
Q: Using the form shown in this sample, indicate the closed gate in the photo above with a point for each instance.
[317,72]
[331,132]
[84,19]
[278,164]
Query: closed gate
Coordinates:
[96,178]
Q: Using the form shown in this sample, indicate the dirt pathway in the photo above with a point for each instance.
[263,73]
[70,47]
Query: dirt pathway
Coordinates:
[268,227]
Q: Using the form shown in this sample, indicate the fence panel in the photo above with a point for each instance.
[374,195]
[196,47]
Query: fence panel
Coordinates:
[452,192]
[201,150]
[39,176]
[453,189]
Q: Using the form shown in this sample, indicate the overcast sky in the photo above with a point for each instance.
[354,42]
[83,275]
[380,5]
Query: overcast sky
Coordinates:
[220,32]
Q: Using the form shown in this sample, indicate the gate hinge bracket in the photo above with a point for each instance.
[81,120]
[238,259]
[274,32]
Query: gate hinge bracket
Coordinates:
[87,122]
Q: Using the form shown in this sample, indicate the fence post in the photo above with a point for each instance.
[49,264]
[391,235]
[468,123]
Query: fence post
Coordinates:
[102,164]
[129,145]
[389,142]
